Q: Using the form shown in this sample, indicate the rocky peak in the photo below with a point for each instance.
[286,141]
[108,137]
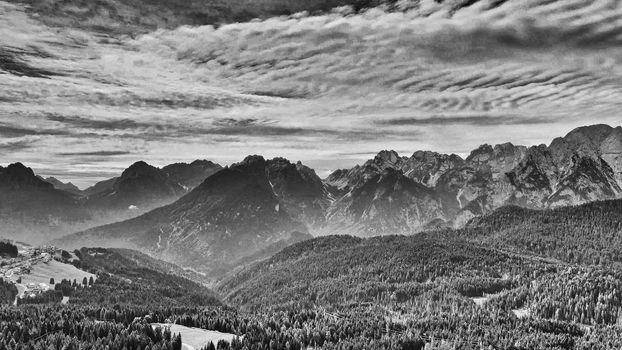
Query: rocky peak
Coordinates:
[385,159]
[426,167]
[480,155]
[251,162]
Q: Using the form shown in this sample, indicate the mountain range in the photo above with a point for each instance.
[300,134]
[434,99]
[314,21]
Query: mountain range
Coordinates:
[214,219]
[38,209]
[250,206]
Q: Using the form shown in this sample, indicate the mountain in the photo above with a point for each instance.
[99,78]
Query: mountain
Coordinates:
[140,187]
[233,214]
[190,175]
[38,209]
[59,185]
[31,206]
[392,194]
[299,189]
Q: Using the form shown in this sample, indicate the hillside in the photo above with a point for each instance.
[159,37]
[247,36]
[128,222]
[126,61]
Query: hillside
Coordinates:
[585,234]
[335,270]
[129,277]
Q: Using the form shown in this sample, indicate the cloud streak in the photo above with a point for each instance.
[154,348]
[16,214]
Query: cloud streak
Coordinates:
[434,76]
[478,120]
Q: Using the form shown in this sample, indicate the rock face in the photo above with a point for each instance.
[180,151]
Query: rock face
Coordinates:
[393,194]
[232,215]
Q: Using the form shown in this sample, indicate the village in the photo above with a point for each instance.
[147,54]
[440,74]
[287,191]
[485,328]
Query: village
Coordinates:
[35,269]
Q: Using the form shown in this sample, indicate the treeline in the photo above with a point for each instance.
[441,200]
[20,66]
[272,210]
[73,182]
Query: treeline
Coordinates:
[49,327]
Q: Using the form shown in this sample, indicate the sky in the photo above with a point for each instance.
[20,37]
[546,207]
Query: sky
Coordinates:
[330,90]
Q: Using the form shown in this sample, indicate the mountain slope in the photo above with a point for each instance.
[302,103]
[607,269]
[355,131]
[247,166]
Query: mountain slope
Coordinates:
[586,234]
[59,185]
[231,215]
[343,269]
[31,207]
[130,277]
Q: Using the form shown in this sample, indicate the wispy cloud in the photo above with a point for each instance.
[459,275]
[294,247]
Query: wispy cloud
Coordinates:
[436,76]
[478,120]
[18,131]
[14,145]
[95,153]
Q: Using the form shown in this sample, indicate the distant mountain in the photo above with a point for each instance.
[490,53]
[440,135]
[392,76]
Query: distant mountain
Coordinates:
[190,175]
[31,206]
[38,209]
[393,194]
[140,187]
[233,214]
[59,185]
[143,187]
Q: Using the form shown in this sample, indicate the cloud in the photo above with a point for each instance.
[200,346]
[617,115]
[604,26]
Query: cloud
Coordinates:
[11,61]
[86,123]
[16,145]
[319,87]
[17,131]
[478,120]
[95,153]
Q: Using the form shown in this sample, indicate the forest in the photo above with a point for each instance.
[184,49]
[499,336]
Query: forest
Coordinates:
[441,289]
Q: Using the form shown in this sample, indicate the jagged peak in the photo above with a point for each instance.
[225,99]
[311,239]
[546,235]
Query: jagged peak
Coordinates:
[427,155]
[251,161]
[482,149]
[387,158]
[280,161]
